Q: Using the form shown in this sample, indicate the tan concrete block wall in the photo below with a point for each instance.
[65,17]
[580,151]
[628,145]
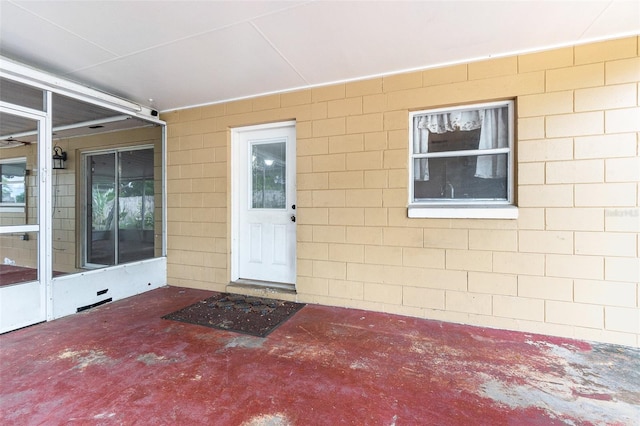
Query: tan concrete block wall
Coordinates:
[567,266]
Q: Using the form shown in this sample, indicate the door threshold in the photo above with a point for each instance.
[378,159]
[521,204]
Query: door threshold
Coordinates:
[267,286]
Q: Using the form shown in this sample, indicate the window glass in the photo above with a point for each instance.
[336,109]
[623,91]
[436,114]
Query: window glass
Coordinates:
[12,183]
[20,94]
[101,195]
[121,218]
[462,156]
[268,171]
[135,205]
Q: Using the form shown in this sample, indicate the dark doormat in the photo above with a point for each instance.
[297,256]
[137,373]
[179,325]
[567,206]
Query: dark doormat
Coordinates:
[256,316]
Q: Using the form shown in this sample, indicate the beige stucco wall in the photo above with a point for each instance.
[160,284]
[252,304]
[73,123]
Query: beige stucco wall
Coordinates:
[568,266]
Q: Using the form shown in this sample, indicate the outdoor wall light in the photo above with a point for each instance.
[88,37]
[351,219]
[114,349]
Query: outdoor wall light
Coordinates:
[59,157]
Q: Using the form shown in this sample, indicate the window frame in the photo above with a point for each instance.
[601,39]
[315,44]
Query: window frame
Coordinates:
[6,207]
[465,208]
[85,226]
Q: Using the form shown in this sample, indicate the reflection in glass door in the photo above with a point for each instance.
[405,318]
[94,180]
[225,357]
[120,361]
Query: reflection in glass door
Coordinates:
[22,283]
[101,184]
[268,176]
[120,204]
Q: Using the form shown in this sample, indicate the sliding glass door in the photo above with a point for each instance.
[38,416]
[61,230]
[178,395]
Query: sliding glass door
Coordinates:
[120,206]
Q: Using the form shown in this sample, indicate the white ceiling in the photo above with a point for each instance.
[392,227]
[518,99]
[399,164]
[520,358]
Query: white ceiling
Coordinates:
[187,53]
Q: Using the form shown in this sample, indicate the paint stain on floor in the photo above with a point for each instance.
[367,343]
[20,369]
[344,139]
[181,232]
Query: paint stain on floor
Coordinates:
[84,358]
[277,419]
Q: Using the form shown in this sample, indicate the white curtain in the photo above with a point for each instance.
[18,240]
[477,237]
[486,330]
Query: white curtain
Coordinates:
[420,145]
[493,134]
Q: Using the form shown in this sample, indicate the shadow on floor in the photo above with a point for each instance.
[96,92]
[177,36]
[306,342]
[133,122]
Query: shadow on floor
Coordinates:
[122,363]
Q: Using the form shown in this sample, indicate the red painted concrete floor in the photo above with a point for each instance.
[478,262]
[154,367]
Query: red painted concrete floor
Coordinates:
[122,364]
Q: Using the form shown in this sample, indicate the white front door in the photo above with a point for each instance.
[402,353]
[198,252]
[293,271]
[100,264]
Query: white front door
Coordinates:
[264,189]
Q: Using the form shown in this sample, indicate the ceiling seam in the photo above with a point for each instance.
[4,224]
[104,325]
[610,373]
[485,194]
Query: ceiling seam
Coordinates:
[275,48]
[64,29]
[596,19]
[190,36]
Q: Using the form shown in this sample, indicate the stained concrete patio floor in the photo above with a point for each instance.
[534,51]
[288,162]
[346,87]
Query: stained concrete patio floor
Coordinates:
[122,364]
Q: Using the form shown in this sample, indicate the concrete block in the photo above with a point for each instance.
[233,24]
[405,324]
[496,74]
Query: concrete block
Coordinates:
[423,297]
[474,303]
[469,260]
[577,314]
[493,283]
[607,97]
[609,293]
[346,143]
[574,266]
[518,308]
[350,253]
[550,59]
[576,77]
[582,171]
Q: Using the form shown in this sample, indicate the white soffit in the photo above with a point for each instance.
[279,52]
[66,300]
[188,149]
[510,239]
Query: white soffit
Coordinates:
[186,53]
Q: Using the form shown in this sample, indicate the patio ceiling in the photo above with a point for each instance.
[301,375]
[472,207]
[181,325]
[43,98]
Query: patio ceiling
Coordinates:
[175,54]
[70,117]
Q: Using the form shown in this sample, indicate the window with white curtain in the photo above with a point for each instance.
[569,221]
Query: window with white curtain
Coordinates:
[462,159]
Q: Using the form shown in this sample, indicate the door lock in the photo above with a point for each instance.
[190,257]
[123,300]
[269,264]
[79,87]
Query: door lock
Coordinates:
[293,218]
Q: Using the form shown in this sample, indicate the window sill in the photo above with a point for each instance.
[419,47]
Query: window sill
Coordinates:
[463,212]
[12,209]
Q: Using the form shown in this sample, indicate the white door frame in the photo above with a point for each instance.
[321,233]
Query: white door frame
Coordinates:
[235,191]
[18,299]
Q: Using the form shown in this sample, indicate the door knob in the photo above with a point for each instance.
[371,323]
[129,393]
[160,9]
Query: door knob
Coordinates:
[293,218]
